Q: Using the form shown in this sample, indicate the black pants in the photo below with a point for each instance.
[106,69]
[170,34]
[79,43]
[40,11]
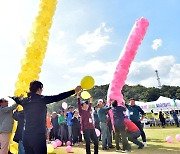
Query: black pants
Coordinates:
[132,136]
[177,122]
[90,134]
[63,133]
[163,123]
[55,131]
[76,134]
[139,125]
[120,131]
[34,143]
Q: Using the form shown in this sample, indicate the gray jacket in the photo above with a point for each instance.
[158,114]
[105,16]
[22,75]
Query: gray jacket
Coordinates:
[6,120]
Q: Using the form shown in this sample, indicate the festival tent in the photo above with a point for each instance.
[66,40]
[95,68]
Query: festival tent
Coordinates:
[161,104]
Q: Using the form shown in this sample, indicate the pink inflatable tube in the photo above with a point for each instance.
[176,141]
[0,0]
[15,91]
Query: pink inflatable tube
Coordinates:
[127,56]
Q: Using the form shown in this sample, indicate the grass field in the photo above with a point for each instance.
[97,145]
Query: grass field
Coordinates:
[155,139]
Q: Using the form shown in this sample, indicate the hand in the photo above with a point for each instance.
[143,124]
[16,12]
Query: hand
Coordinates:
[16,99]
[78,89]
[90,99]
[78,95]
[140,119]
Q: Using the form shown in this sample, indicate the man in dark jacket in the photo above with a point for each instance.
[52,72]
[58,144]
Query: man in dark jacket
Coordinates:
[19,117]
[34,136]
[76,128]
[54,121]
[118,117]
[135,112]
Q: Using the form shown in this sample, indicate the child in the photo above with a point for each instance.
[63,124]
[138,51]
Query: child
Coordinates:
[76,127]
[87,124]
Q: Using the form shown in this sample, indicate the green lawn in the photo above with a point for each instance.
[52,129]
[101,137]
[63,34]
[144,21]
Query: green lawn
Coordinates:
[155,139]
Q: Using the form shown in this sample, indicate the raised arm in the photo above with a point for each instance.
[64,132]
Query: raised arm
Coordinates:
[56,98]
[79,103]
[61,96]
[90,103]
[9,109]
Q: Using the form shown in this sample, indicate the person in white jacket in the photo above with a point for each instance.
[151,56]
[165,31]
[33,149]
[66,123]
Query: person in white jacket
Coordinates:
[6,124]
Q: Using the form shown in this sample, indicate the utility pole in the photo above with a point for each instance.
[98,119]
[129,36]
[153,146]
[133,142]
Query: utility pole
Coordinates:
[158,78]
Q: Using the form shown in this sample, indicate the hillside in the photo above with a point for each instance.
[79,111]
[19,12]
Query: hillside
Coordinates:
[138,92]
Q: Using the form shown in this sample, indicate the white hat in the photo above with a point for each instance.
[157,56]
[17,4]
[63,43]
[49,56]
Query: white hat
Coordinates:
[100,100]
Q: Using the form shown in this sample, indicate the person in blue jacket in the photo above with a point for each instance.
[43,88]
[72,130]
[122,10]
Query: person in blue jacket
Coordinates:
[175,117]
[69,122]
[34,135]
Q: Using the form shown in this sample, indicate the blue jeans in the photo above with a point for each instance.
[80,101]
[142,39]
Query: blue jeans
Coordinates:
[105,134]
[143,135]
[70,135]
[132,136]
[21,148]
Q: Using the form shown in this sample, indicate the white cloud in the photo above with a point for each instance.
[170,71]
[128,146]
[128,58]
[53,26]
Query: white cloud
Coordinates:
[140,72]
[93,42]
[144,72]
[174,75]
[61,35]
[95,66]
[156,44]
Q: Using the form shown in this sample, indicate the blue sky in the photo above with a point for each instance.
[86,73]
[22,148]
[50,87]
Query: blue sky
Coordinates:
[86,38]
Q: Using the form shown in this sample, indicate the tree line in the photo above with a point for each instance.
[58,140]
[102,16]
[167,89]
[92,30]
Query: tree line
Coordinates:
[138,92]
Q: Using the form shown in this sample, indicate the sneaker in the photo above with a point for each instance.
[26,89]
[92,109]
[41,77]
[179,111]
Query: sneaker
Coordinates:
[118,150]
[145,144]
[125,151]
[141,146]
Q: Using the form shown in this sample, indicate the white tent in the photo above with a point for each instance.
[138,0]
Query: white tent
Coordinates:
[162,103]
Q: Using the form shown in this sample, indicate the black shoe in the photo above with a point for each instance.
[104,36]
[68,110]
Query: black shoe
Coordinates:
[111,147]
[106,148]
[141,146]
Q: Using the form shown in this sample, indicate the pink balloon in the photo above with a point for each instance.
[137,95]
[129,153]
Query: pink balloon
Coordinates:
[97,132]
[54,144]
[68,148]
[59,143]
[178,137]
[169,139]
[68,143]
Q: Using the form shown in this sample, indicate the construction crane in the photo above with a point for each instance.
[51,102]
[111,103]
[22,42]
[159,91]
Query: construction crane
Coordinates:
[158,78]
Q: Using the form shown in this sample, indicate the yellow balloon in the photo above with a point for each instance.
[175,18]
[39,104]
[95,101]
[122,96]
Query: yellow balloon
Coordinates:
[50,148]
[14,148]
[20,108]
[14,127]
[87,82]
[85,95]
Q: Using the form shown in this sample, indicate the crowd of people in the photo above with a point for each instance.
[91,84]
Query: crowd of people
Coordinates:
[36,127]
[163,120]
